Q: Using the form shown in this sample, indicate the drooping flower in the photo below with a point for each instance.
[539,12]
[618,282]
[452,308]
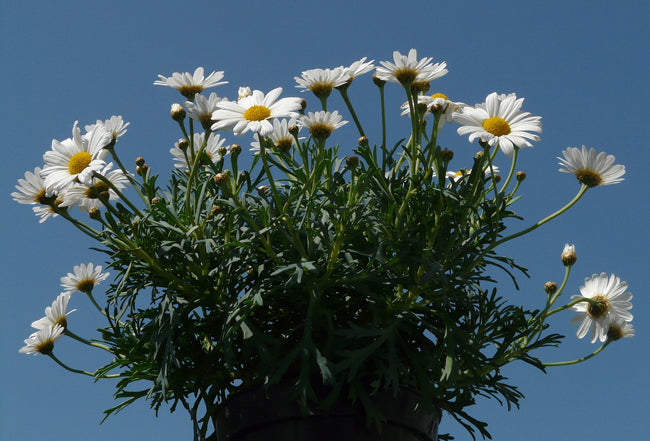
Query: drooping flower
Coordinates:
[281,137]
[32,190]
[74,159]
[90,194]
[321,124]
[42,342]
[407,69]
[84,278]
[609,302]
[619,329]
[201,109]
[591,168]
[115,126]
[255,112]
[214,149]
[322,81]
[55,314]
[191,84]
[499,121]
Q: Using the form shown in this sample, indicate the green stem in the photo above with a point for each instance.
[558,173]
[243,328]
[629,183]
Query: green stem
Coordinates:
[346,99]
[79,371]
[511,172]
[575,199]
[87,342]
[579,360]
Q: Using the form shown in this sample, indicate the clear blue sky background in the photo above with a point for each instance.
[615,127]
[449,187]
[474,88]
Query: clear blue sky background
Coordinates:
[582,66]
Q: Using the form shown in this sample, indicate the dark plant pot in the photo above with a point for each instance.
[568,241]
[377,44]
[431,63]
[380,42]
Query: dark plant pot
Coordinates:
[252,416]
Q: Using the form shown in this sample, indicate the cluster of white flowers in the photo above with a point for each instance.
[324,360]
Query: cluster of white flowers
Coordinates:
[54,324]
[75,172]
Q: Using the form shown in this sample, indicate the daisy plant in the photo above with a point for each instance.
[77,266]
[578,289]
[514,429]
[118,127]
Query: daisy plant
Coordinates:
[364,271]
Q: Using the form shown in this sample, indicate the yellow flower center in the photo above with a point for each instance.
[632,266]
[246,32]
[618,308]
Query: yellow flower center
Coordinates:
[598,306]
[497,126]
[589,177]
[86,285]
[79,162]
[440,95]
[63,322]
[257,113]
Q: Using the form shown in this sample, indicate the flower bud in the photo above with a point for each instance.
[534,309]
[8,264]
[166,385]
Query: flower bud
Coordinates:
[303,105]
[139,161]
[262,189]
[569,255]
[520,176]
[216,209]
[155,200]
[352,161]
[142,170]
[223,151]
[94,213]
[363,141]
[497,178]
[235,149]
[550,288]
[177,112]
[293,130]
[221,178]
[446,155]
[183,144]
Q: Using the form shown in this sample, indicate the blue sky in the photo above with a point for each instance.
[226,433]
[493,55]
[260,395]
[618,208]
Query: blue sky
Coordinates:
[581,65]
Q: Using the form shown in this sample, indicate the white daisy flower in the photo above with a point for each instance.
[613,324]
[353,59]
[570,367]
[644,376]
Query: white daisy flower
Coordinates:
[282,139]
[44,212]
[609,303]
[619,329]
[32,190]
[406,69]
[84,279]
[213,149]
[55,314]
[499,121]
[74,159]
[191,84]
[591,168]
[115,126]
[321,124]
[254,112]
[322,81]
[88,195]
[201,109]
[358,68]
[42,342]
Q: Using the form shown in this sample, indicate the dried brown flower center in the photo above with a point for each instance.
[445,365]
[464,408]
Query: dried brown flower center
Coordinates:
[598,306]
[589,177]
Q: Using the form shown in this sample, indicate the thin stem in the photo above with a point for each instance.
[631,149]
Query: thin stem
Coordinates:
[579,360]
[346,99]
[79,371]
[87,342]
